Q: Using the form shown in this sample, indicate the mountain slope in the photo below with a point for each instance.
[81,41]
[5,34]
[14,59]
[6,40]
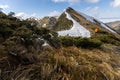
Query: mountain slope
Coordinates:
[115,25]
[76,30]
[89,23]
[62,23]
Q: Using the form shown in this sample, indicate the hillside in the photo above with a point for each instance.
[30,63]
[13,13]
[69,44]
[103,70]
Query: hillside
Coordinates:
[31,53]
[115,25]
[76,30]
[70,17]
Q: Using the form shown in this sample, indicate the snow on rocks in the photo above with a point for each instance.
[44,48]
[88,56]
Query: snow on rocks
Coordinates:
[45,43]
[76,30]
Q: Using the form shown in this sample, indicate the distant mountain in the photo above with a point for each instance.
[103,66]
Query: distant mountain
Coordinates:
[75,23]
[115,25]
[47,22]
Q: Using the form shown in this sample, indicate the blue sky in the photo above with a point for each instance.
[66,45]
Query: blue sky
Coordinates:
[106,9]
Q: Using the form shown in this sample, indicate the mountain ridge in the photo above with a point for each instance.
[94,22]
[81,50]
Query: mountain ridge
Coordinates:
[62,23]
[76,30]
[89,23]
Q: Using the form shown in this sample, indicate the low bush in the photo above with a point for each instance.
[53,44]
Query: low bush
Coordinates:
[107,38]
[66,41]
[3,51]
[80,42]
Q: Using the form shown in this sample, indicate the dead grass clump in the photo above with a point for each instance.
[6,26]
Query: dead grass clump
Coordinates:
[68,63]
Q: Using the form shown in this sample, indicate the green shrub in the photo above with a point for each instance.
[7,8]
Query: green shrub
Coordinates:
[42,31]
[88,43]
[66,41]
[22,32]
[10,42]
[5,31]
[107,38]
[3,51]
[1,40]
[80,42]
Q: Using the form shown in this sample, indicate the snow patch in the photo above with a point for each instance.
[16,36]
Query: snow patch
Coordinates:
[51,35]
[76,30]
[44,25]
[45,44]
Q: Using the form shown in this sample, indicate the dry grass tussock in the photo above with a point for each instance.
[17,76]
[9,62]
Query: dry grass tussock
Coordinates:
[68,63]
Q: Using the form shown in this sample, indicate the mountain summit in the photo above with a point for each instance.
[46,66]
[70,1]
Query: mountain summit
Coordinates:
[73,23]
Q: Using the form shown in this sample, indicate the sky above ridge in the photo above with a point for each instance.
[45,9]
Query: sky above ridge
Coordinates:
[105,10]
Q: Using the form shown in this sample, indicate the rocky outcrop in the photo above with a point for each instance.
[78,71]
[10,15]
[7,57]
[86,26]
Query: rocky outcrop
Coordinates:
[47,22]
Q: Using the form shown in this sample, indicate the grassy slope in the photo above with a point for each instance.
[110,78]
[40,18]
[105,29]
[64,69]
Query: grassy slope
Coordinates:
[68,63]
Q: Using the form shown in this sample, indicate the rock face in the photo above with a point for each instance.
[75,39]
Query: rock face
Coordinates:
[115,25]
[47,22]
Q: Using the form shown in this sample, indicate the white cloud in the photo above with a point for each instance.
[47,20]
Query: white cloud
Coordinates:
[59,0]
[92,1]
[33,15]
[95,8]
[54,13]
[68,1]
[4,6]
[76,1]
[23,15]
[93,11]
[115,3]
